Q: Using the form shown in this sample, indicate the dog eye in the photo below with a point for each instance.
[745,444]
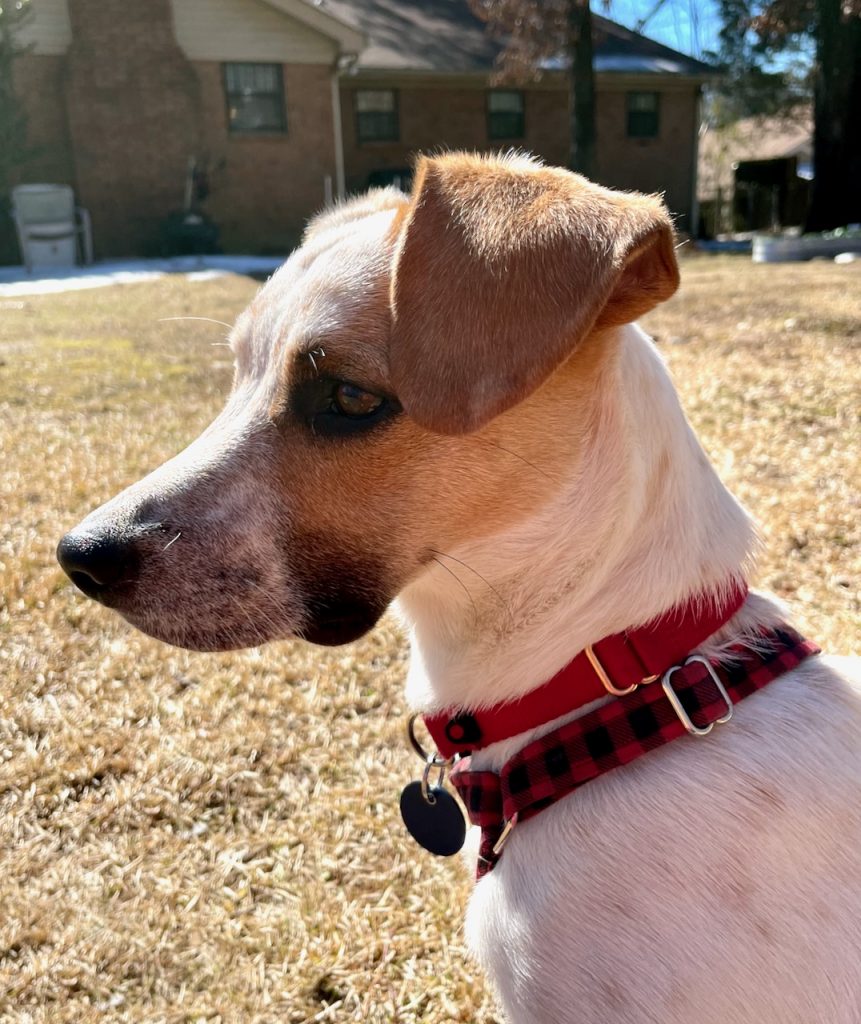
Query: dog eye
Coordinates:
[350,400]
[339,408]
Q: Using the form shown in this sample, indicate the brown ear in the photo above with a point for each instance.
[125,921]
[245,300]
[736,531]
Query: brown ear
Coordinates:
[502,267]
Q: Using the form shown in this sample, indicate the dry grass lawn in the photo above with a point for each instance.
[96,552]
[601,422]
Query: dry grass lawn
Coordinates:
[191,837]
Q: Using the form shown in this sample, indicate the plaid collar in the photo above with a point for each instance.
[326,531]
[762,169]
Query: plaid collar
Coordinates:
[691,698]
[616,665]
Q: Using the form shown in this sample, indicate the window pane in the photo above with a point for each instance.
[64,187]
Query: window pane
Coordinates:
[375,101]
[252,77]
[643,115]
[377,126]
[256,114]
[255,97]
[643,101]
[505,102]
[506,126]
[505,118]
[231,77]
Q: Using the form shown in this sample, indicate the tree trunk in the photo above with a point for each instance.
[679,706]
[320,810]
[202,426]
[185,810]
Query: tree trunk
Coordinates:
[836,192]
[581,89]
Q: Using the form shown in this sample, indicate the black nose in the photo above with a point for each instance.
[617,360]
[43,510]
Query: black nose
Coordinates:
[94,562]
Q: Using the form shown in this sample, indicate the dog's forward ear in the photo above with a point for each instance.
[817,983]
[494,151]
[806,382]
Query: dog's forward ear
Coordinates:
[502,267]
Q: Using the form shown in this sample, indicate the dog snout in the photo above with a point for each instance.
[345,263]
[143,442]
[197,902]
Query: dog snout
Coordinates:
[96,562]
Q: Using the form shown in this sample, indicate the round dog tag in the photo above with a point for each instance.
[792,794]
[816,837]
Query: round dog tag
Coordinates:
[437,824]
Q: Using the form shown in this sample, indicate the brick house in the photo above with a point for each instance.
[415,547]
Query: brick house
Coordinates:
[285,102]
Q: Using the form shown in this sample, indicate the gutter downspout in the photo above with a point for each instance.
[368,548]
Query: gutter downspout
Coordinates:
[343,64]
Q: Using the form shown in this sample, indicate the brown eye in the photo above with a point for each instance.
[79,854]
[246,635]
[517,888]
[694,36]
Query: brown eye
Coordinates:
[352,401]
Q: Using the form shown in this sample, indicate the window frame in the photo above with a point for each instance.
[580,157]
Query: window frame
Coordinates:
[395,113]
[507,137]
[280,94]
[631,113]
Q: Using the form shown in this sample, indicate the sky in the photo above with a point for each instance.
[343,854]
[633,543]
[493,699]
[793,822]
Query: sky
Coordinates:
[690,26]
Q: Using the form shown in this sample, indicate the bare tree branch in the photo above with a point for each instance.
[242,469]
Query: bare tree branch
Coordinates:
[641,24]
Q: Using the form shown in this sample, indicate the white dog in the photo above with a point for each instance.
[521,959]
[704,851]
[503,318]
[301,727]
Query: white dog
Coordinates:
[451,384]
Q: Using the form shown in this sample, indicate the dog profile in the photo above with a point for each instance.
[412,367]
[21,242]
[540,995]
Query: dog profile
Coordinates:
[457,374]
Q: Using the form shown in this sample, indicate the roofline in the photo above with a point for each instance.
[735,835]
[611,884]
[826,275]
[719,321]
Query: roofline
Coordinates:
[349,40]
[708,70]
[353,42]
[549,79]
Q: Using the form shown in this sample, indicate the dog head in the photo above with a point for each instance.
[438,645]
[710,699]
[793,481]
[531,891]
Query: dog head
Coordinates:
[385,378]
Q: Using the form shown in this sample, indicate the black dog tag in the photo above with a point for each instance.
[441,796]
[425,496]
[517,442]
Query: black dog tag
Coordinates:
[437,823]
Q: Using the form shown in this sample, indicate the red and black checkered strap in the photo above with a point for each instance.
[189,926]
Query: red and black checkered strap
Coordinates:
[561,761]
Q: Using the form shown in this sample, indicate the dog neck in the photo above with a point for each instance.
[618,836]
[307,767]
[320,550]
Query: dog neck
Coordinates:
[641,524]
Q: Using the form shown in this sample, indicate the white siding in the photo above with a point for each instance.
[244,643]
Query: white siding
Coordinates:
[246,30]
[47,29]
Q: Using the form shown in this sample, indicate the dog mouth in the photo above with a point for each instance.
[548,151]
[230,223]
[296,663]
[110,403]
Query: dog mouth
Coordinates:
[330,624]
[210,618]
[329,631]
[203,638]
[218,605]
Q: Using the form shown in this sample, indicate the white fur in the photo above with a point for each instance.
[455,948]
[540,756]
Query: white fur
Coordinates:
[715,880]
[590,563]
[712,881]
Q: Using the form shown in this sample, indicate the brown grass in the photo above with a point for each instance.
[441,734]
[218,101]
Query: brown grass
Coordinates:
[216,837]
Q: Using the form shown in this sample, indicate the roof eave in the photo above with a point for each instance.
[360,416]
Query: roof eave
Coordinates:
[349,40]
[549,77]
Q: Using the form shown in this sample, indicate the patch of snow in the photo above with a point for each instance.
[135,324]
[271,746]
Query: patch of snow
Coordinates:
[50,280]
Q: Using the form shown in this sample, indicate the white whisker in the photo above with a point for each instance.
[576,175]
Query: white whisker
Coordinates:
[205,319]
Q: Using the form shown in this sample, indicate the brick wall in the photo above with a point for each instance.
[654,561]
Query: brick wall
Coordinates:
[432,118]
[662,164]
[121,132]
[133,113]
[264,187]
[38,83]
[39,87]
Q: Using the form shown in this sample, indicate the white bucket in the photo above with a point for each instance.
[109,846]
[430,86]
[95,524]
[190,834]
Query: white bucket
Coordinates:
[786,249]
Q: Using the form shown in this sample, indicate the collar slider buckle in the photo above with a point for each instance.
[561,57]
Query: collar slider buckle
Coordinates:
[678,707]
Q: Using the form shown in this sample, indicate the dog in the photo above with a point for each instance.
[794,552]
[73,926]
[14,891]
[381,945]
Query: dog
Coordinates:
[454,381]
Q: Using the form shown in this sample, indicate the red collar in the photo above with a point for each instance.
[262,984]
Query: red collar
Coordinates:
[617,665]
[691,698]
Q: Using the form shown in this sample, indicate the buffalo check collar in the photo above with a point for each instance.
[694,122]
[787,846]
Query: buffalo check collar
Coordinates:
[691,698]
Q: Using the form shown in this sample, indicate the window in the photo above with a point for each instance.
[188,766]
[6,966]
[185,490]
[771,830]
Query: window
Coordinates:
[643,112]
[505,114]
[377,115]
[255,98]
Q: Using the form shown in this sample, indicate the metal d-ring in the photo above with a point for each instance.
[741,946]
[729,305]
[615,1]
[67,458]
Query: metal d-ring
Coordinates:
[411,736]
[433,761]
[607,682]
